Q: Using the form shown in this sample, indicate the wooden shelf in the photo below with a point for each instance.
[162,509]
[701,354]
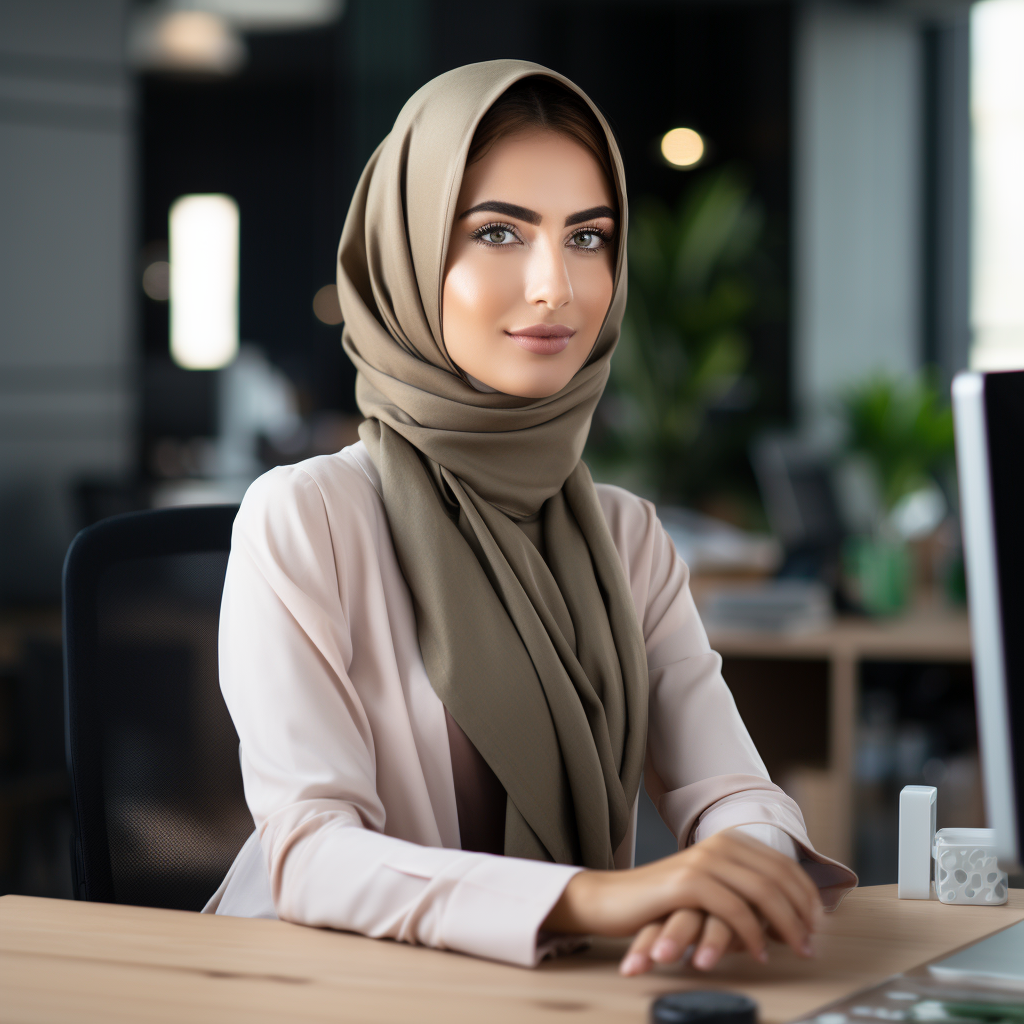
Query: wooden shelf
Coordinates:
[930,632]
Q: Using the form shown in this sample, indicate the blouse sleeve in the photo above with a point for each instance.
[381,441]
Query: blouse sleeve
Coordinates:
[703,771]
[308,761]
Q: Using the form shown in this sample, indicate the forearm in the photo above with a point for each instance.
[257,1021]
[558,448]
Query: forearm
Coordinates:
[352,878]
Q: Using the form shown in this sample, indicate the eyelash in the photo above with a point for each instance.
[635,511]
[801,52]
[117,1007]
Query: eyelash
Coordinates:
[480,232]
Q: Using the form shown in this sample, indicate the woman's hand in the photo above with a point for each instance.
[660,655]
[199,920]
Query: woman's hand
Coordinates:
[725,890]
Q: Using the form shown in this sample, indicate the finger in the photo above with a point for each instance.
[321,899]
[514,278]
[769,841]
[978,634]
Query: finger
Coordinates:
[723,902]
[755,860]
[680,931]
[782,869]
[715,939]
[752,852]
[762,892]
[638,956]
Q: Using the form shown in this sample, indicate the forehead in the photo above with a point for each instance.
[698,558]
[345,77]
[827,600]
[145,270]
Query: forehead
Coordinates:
[541,170]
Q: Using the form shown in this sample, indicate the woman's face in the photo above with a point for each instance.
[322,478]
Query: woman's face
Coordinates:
[530,264]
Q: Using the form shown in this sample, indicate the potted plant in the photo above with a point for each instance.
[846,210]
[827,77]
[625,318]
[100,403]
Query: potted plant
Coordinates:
[902,432]
[684,345]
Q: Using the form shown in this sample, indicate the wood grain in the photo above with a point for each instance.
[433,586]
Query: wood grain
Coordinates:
[62,961]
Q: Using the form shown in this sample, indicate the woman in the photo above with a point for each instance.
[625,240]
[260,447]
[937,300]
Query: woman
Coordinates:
[449,656]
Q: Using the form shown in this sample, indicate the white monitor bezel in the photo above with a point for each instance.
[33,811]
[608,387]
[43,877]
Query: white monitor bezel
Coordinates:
[982,570]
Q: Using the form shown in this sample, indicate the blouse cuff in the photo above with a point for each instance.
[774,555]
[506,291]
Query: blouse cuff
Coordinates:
[498,908]
[766,804]
[772,836]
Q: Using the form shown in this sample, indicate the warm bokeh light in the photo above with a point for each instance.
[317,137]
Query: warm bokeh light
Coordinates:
[682,147]
[325,305]
[185,40]
[204,281]
[156,280]
[197,39]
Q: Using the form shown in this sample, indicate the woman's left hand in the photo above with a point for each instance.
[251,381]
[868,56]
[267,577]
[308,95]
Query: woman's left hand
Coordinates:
[664,942]
[724,886]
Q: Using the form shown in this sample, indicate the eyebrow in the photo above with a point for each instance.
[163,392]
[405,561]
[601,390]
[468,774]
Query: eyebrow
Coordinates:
[592,214]
[509,209]
[532,217]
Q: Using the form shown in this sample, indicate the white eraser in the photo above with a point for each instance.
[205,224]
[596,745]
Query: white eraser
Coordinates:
[917,831]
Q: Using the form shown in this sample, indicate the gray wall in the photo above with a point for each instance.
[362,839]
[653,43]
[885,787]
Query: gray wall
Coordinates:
[857,199]
[948,340]
[881,195]
[66,366]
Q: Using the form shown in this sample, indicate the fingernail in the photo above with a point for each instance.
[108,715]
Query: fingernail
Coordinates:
[807,949]
[633,964]
[665,951]
[705,959]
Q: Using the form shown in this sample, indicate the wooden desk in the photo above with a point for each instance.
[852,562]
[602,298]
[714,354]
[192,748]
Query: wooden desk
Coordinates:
[62,961]
[928,633]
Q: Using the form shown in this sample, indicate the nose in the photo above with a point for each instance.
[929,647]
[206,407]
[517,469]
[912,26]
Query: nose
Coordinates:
[547,276]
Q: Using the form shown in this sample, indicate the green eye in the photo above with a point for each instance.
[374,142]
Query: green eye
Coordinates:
[497,236]
[589,240]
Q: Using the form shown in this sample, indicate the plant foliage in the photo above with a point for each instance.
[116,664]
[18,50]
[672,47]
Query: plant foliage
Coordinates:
[683,345]
[904,429]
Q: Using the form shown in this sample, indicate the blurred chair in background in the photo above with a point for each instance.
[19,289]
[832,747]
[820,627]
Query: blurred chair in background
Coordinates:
[802,507]
[158,807]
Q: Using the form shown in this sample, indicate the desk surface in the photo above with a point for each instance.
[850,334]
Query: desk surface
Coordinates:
[63,961]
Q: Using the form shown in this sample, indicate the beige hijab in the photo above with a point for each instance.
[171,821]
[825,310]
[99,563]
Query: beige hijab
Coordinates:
[538,657]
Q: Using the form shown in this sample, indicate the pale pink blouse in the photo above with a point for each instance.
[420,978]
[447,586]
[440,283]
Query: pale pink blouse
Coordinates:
[344,744]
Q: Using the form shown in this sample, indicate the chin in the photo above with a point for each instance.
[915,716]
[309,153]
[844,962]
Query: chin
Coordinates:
[540,377]
[534,385]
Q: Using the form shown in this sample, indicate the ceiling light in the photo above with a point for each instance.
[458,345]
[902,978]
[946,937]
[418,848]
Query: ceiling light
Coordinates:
[185,41]
[268,15]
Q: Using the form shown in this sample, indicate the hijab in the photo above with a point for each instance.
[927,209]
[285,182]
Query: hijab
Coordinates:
[538,658]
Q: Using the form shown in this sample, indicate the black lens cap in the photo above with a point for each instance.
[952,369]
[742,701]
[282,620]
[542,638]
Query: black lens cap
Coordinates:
[703,1007]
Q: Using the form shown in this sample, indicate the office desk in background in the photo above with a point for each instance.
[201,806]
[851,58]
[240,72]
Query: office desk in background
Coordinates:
[929,633]
[822,784]
[93,962]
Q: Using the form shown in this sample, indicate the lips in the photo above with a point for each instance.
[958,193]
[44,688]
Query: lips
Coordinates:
[543,339]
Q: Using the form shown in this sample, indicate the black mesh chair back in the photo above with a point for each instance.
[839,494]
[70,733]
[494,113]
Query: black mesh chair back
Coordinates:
[159,812]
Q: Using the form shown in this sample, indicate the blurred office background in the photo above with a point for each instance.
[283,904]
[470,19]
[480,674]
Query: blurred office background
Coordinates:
[827,226]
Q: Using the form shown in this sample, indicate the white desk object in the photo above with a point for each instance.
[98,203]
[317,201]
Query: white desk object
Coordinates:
[917,832]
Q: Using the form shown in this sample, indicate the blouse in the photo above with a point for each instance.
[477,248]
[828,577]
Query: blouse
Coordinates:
[344,745]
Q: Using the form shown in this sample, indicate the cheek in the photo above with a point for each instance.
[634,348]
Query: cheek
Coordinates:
[592,287]
[475,294]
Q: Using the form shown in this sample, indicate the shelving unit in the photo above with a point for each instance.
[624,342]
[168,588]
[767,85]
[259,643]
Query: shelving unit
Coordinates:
[825,788]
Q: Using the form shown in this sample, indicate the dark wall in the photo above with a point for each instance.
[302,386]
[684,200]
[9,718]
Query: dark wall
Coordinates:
[270,137]
[289,135]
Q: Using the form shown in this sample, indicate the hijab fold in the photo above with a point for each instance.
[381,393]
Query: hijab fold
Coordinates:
[535,650]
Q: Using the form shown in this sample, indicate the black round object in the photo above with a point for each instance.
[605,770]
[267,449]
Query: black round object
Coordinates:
[703,1007]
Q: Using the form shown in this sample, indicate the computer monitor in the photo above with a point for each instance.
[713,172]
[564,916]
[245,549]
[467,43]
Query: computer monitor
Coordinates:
[988,410]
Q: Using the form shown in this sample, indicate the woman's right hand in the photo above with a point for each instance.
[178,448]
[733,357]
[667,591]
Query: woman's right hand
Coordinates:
[727,888]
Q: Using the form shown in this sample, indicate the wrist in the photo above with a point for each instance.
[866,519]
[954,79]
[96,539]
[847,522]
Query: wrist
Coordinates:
[573,914]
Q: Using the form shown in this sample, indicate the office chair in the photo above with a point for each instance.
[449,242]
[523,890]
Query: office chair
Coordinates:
[156,790]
